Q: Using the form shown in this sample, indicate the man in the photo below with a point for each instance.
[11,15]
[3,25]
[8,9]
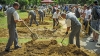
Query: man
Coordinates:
[56,17]
[12,19]
[33,17]
[75,25]
[87,20]
[41,15]
[77,12]
[95,22]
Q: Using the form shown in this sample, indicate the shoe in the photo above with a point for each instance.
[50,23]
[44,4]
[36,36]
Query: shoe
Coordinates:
[37,25]
[7,50]
[92,40]
[17,47]
[97,45]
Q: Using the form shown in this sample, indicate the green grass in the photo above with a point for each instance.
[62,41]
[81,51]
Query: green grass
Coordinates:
[20,40]
[24,40]
[23,15]
[65,41]
[3,22]
[3,19]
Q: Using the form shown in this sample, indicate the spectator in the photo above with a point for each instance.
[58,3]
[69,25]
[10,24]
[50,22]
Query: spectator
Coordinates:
[0,7]
[87,20]
[95,22]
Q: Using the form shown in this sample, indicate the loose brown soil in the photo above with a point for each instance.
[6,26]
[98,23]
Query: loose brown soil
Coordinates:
[48,48]
[42,48]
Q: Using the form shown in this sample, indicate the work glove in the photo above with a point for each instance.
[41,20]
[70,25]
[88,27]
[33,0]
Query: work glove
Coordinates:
[66,33]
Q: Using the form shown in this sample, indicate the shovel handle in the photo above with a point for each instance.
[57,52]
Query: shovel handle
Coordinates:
[27,26]
[63,39]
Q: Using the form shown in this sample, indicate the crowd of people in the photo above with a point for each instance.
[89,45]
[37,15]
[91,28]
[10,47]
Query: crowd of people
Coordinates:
[76,16]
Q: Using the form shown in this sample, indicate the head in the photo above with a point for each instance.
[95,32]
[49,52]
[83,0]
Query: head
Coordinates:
[85,6]
[95,2]
[57,10]
[63,15]
[88,7]
[16,5]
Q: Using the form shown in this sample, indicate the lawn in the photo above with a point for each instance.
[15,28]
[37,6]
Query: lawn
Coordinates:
[3,24]
[24,40]
[3,19]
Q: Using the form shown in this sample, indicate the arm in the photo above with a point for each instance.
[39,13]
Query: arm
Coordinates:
[68,28]
[68,23]
[16,17]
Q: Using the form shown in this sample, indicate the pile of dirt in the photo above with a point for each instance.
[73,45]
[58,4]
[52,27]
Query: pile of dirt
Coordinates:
[49,48]
[3,32]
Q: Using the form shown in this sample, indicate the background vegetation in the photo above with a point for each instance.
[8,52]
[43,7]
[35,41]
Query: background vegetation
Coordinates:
[37,2]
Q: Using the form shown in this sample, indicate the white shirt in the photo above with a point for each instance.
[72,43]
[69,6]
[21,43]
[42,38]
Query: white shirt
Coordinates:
[68,22]
[16,15]
[88,12]
[55,15]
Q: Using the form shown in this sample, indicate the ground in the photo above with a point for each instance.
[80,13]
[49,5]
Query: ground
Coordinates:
[47,44]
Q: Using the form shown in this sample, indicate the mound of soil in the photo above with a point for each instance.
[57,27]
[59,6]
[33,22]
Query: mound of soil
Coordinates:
[44,23]
[4,32]
[49,48]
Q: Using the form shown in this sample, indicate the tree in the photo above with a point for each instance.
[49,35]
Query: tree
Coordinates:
[23,3]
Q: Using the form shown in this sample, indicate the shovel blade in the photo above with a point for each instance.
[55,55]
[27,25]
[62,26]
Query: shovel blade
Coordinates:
[34,36]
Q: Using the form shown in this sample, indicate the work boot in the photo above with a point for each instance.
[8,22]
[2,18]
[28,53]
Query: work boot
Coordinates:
[16,47]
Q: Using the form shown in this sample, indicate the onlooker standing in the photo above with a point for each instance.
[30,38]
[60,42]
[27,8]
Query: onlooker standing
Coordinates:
[0,7]
[77,12]
[75,25]
[95,22]
[87,20]
[12,19]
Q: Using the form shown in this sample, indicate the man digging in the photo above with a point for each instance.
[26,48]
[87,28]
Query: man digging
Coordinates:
[75,25]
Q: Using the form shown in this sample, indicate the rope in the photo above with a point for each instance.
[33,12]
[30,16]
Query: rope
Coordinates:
[94,30]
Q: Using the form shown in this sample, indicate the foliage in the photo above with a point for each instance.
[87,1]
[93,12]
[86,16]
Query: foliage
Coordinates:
[2,14]
[23,2]
[37,2]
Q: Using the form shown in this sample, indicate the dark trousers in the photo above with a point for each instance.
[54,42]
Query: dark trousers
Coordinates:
[86,24]
[75,33]
[31,20]
[55,23]
[13,37]
[41,18]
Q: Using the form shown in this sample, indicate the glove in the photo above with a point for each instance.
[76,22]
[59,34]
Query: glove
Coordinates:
[66,33]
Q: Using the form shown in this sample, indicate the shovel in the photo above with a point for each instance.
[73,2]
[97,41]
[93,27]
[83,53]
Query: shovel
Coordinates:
[33,35]
[62,40]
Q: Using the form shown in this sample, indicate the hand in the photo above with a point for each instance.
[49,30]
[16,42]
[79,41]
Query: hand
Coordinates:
[66,33]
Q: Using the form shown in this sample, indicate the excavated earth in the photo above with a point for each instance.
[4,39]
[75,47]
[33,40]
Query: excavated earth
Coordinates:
[48,48]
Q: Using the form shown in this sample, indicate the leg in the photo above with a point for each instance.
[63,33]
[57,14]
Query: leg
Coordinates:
[57,22]
[31,20]
[11,38]
[71,36]
[16,39]
[35,21]
[53,23]
[42,18]
[77,37]
[90,30]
